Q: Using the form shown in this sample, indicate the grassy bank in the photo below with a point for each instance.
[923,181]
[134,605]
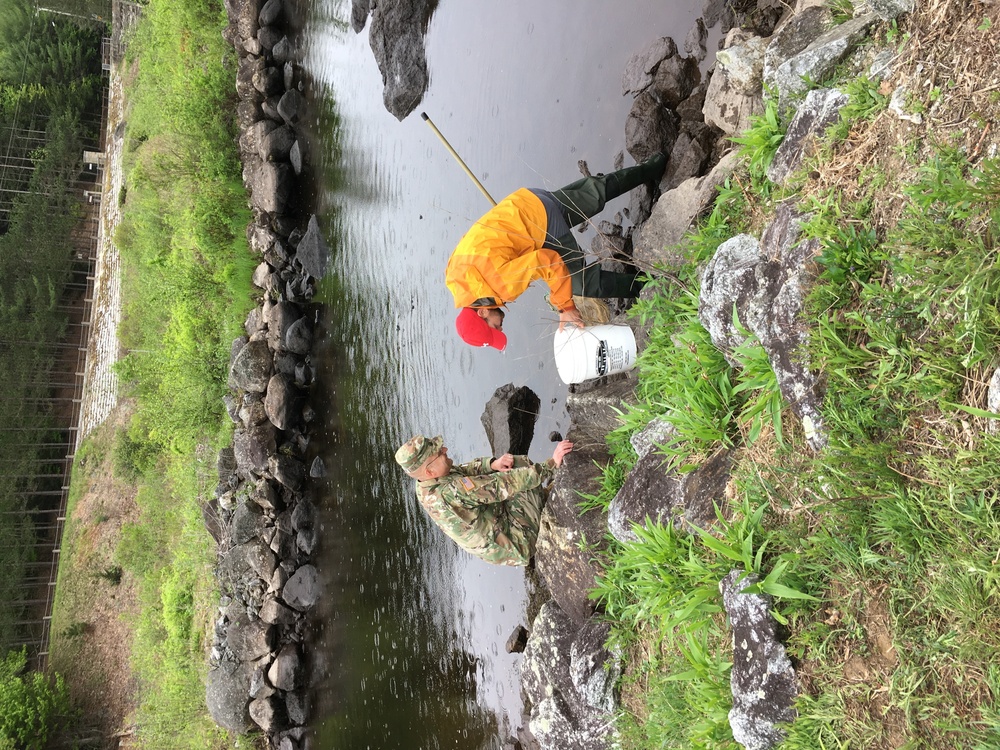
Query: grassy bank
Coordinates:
[881,551]
[186,291]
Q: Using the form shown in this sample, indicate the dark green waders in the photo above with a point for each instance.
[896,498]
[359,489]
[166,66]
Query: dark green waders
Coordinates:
[586,198]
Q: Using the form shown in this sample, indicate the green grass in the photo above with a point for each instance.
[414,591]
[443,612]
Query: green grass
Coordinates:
[186,286]
[893,529]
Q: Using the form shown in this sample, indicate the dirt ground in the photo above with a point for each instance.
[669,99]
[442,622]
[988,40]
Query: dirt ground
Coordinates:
[91,635]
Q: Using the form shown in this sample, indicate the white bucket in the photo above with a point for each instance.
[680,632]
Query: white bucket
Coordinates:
[585,353]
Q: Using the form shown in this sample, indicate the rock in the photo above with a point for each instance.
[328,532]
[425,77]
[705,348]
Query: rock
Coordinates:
[651,492]
[302,590]
[271,184]
[269,714]
[226,466]
[226,692]
[298,337]
[650,128]
[594,670]
[696,39]
[818,59]
[396,38]
[993,402]
[279,318]
[297,705]
[251,368]
[304,515]
[268,80]
[566,540]
[509,419]
[287,671]
[674,80]
[734,91]
[888,10]
[246,524]
[819,111]
[766,288]
[560,718]
[249,639]
[253,446]
[689,157]
[517,640]
[290,107]
[287,470]
[276,613]
[242,564]
[797,33]
[317,469]
[247,68]
[312,252]
[270,13]
[641,66]
[359,14]
[282,52]
[276,145]
[657,432]
[282,403]
[295,158]
[762,679]
[657,240]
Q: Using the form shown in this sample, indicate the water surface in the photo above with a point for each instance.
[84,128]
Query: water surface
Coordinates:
[412,642]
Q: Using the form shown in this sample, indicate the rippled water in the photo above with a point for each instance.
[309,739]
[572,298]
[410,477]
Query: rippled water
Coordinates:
[412,641]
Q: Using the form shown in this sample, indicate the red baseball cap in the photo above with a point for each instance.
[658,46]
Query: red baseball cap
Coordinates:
[475,331]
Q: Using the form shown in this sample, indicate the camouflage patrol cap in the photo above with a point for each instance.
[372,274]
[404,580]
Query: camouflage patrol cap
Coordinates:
[416,451]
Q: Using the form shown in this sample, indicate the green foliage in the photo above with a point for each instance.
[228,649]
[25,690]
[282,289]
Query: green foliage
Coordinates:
[864,103]
[666,586]
[33,707]
[759,144]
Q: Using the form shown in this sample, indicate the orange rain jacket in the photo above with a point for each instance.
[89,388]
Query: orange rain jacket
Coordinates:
[503,253]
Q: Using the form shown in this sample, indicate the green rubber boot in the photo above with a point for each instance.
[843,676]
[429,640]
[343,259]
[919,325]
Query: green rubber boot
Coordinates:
[620,182]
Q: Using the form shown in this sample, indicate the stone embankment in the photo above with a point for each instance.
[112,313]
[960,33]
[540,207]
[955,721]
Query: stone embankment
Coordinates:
[262,516]
[568,676]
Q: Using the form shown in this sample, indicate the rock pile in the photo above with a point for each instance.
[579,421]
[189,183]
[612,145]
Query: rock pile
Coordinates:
[262,517]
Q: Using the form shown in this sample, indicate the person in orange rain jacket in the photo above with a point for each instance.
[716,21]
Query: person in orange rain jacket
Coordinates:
[527,236]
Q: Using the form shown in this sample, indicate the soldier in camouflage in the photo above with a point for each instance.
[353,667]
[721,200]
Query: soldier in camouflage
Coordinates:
[490,507]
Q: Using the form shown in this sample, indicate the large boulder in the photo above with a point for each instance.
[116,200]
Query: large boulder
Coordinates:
[566,541]
[396,37]
[819,111]
[302,590]
[251,367]
[312,252]
[650,128]
[762,678]
[656,242]
[249,639]
[814,63]
[561,716]
[509,419]
[227,695]
[641,68]
[283,403]
[764,285]
[253,446]
[651,493]
[734,91]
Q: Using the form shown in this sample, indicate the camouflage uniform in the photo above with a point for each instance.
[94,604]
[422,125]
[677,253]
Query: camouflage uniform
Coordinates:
[493,515]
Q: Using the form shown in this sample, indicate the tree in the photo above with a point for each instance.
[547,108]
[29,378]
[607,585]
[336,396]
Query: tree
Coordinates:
[33,707]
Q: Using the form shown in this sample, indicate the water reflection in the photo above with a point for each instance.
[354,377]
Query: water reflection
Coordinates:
[412,633]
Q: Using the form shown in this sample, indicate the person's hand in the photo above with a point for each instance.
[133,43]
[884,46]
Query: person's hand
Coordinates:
[504,463]
[572,316]
[562,448]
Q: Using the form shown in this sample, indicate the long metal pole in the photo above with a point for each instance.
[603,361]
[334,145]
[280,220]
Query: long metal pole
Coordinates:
[458,158]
